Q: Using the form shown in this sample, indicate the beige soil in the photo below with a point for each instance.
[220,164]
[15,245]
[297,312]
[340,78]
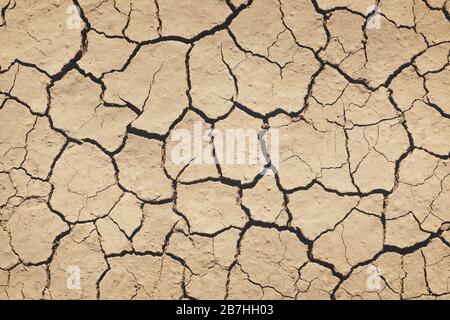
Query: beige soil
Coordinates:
[87,117]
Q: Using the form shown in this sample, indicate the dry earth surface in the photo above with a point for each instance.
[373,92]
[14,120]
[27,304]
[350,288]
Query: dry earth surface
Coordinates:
[86,116]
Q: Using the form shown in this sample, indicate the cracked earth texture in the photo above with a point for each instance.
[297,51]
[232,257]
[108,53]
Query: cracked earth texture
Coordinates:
[86,117]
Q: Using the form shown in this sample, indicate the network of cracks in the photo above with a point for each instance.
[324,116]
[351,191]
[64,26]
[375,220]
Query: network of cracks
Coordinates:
[86,119]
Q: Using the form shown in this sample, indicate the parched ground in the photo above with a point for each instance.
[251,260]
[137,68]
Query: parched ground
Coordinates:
[359,208]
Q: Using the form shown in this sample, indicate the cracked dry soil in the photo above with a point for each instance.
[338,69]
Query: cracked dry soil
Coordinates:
[86,117]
